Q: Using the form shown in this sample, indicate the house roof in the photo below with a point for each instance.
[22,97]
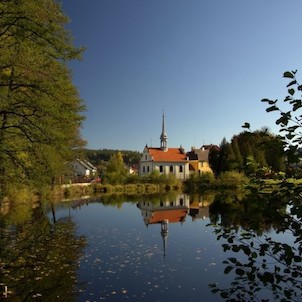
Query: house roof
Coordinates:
[199,154]
[211,147]
[170,155]
[173,215]
[86,164]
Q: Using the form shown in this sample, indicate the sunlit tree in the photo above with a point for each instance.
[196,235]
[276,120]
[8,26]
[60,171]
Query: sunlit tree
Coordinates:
[40,109]
[116,171]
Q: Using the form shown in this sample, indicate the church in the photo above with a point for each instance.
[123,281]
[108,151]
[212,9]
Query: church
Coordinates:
[165,160]
[174,161]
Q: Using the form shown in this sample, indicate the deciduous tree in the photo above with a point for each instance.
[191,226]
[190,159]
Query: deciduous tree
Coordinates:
[40,109]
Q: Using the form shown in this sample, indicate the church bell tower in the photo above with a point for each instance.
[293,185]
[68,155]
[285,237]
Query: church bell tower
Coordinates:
[163,136]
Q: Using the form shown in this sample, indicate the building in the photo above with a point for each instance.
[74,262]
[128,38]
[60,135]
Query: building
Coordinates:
[83,168]
[174,161]
[167,161]
[199,161]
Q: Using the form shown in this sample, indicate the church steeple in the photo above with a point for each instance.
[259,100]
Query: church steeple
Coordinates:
[163,136]
[164,233]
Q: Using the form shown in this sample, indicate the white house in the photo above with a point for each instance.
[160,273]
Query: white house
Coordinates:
[82,167]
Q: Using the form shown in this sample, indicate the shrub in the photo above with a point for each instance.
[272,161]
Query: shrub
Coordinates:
[233,179]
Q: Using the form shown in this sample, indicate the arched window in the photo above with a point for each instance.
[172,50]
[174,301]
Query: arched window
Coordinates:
[144,169]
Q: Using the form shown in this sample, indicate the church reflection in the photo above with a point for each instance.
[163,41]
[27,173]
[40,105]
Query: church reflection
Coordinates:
[175,209]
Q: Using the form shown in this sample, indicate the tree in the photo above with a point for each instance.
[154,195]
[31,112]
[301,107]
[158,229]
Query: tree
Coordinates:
[265,149]
[221,166]
[116,171]
[237,153]
[40,110]
[265,264]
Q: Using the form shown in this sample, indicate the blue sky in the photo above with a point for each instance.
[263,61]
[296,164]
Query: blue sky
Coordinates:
[206,63]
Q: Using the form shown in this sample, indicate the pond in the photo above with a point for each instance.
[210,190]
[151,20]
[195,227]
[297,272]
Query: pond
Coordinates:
[159,248]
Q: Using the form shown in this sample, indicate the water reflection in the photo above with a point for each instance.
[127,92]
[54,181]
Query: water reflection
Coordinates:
[174,208]
[259,249]
[38,259]
[262,238]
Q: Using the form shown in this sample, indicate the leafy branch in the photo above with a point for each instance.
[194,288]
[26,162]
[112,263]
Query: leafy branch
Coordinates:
[290,124]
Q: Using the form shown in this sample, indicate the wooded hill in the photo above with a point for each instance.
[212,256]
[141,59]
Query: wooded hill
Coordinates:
[96,157]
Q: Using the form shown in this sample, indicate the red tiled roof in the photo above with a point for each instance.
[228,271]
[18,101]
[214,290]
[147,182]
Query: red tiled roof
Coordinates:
[175,215]
[171,155]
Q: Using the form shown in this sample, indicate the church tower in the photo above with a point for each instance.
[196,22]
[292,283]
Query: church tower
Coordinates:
[163,137]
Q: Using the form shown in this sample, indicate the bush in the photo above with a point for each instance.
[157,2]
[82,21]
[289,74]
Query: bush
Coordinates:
[233,179]
[207,178]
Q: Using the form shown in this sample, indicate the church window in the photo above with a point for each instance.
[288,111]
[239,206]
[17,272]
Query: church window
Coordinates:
[146,157]
[148,169]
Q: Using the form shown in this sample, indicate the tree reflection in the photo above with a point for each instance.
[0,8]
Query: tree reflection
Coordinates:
[263,265]
[38,259]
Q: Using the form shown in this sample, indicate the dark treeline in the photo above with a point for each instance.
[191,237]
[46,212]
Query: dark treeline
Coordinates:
[103,155]
[249,151]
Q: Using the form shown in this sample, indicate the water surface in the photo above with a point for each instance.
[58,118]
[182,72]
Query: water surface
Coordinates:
[142,249]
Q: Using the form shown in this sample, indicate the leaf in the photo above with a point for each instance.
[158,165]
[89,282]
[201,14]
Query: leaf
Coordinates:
[297,106]
[272,108]
[292,83]
[224,295]
[291,91]
[287,98]
[265,100]
[246,125]
[228,269]
[254,255]
[239,271]
[288,74]
[230,240]
[233,260]
[289,136]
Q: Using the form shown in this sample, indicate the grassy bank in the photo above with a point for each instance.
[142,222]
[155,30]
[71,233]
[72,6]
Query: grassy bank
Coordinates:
[129,189]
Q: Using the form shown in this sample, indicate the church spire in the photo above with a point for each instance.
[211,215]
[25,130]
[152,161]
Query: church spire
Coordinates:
[163,136]
[164,233]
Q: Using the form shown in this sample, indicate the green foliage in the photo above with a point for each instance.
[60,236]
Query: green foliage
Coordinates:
[40,110]
[289,120]
[98,156]
[233,179]
[263,264]
[199,182]
[265,148]
[116,172]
